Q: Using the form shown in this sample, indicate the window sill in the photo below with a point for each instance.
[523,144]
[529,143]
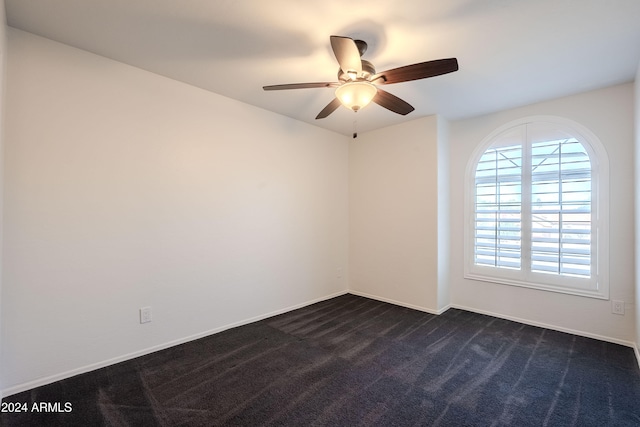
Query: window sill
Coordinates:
[582,292]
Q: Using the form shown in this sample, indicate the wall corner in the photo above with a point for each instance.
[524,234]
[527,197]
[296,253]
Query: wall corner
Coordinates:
[444,207]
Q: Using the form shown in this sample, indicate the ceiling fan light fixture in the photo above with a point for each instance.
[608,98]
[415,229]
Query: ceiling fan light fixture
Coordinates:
[356,95]
[355,89]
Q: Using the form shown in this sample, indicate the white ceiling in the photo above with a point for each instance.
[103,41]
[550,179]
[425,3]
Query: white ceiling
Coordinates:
[511,52]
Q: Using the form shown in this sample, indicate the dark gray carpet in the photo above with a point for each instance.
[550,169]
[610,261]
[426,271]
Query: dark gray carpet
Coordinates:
[352,361]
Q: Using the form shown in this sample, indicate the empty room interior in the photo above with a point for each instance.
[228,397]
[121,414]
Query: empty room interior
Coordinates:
[160,188]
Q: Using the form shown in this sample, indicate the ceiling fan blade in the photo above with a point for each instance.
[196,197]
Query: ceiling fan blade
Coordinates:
[418,71]
[392,102]
[301,86]
[330,108]
[347,54]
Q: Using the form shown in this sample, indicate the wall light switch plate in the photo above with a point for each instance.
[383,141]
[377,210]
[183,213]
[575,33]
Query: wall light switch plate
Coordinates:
[617,307]
[145,315]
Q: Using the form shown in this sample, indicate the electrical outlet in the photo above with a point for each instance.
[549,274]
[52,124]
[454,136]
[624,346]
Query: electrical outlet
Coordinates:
[339,273]
[617,307]
[145,315]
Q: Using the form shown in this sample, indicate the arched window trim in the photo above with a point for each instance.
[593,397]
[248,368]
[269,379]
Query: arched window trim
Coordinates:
[597,286]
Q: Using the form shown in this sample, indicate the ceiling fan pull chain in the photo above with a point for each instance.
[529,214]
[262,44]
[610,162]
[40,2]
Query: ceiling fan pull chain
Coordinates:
[355,129]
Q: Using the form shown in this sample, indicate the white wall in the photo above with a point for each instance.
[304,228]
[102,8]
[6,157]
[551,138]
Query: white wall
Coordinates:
[444,213]
[3,50]
[608,113]
[637,208]
[125,189]
[393,214]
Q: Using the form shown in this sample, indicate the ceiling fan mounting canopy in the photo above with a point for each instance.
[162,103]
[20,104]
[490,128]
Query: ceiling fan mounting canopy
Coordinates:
[358,80]
[362,46]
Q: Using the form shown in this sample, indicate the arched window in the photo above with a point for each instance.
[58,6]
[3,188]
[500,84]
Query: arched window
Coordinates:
[536,206]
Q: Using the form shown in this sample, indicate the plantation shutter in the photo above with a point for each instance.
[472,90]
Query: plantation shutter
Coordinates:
[554,209]
[560,206]
[498,200]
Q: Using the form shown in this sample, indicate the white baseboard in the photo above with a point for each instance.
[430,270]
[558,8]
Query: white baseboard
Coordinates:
[400,303]
[548,326]
[512,318]
[92,367]
[61,376]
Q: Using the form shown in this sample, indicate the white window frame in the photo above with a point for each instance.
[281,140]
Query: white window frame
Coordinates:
[597,286]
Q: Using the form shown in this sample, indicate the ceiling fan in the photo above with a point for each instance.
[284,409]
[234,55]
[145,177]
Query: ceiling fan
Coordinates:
[358,81]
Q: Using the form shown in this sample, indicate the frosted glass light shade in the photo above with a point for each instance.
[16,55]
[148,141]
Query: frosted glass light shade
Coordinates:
[356,95]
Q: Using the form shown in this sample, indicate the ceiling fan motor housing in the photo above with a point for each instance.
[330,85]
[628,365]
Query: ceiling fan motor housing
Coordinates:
[368,70]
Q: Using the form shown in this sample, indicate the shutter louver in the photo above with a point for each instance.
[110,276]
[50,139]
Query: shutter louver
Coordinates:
[498,208]
[561,208]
